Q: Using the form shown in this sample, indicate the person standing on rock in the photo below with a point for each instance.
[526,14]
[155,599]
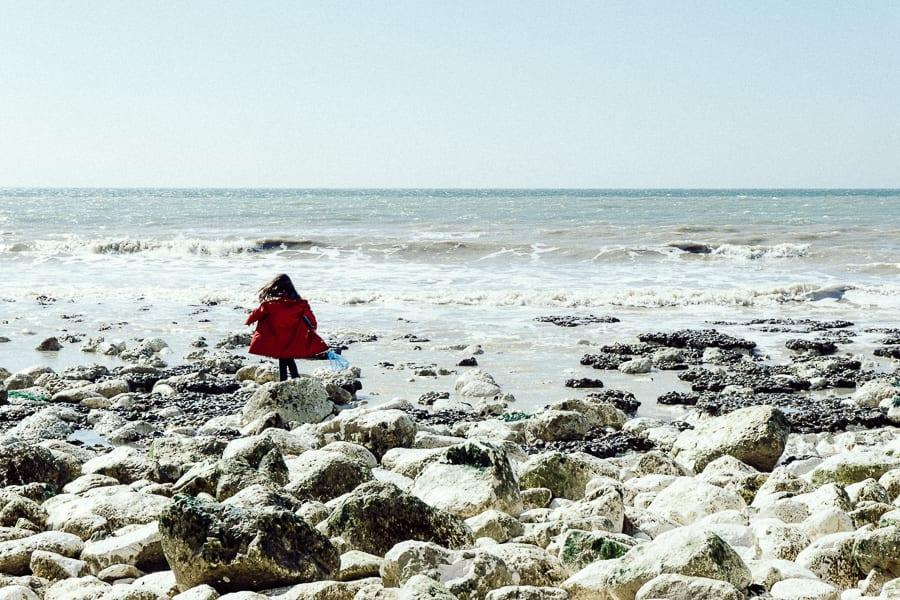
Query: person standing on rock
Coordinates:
[285,326]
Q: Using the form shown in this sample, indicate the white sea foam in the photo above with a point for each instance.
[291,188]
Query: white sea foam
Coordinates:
[477,250]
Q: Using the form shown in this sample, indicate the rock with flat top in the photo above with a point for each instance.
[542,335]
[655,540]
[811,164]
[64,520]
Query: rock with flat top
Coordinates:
[690,551]
[377,515]
[755,435]
[238,549]
[682,587]
[301,400]
[469,479]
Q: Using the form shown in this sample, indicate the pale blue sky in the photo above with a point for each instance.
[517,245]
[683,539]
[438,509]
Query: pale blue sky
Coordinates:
[450,94]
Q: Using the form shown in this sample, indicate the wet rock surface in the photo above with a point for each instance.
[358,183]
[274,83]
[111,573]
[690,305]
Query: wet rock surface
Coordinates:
[696,339]
[584,382]
[820,347]
[624,401]
[601,444]
[576,320]
[803,414]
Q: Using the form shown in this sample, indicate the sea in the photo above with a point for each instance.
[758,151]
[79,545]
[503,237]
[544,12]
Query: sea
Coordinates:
[453,267]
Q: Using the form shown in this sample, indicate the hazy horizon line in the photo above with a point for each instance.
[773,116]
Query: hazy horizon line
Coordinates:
[461,188]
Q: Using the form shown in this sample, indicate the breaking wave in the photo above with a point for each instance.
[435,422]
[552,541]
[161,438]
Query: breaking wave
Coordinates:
[627,297]
[576,249]
[742,251]
[174,247]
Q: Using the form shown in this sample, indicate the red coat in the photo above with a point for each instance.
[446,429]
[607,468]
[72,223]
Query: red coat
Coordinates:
[282,331]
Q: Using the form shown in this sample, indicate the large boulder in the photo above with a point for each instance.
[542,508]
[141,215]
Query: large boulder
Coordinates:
[126,464]
[136,545]
[878,549]
[755,435]
[474,573]
[410,558]
[872,393]
[409,462]
[102,510]
[22,463]
[107,389]
[800,588]
[529,564]
[476,384]
[182,450]
[238,549]
[831,558]
[557,425]
[257,463]
[15,555]
[497,525]
[690,551]
[682,587]
[322,475]
[50,423]
[852,467]
[578,548]
[53,567]
[526,592]
[469,479]
[79,588]
[687,500]
[14,506]
[301,400]
[779,540]
[566,475]
[377,515]
[379,430]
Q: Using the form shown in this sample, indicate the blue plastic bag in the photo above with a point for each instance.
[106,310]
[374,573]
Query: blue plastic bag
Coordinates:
[336,361]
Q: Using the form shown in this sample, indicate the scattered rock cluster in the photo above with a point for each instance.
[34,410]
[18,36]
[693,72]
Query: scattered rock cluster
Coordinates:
[219,482]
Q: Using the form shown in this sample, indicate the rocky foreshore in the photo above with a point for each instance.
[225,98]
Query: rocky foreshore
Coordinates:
[212,480]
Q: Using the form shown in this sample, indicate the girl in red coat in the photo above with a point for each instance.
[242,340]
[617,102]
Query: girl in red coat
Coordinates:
[285,326]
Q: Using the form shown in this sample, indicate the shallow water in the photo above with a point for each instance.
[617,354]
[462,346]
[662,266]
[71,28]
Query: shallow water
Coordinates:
[453,266]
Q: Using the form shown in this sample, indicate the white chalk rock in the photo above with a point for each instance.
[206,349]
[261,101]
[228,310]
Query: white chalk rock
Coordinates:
[826,522]
[755,435]
[779,540]
[78,588]
[410,558]
[301,400]
[529,564]
[831,559]
[682,587]
[476,384]
[804,589]
[470,479]
[636,366]
[768,572]
[852,467]
[53,567]
[686,500]
[198,592]
[15,555]
[138,545]
[691,551]
[872,393]
[17,592]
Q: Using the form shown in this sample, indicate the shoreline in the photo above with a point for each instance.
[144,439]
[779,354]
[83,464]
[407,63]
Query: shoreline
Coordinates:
[133,480]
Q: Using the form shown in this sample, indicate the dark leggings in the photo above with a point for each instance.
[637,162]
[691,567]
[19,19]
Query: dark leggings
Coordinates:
[285,365]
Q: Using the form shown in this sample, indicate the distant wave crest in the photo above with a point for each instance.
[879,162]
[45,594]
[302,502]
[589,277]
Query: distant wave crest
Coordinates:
[176,246]
[424,250]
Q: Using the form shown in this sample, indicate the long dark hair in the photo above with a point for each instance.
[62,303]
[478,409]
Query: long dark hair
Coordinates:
[280,287]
